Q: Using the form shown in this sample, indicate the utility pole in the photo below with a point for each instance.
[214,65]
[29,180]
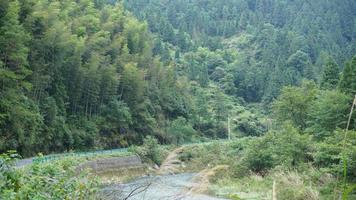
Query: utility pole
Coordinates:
[352,109]
[274,193]
[228,127]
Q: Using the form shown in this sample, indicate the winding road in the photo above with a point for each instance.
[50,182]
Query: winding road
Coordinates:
[165,187]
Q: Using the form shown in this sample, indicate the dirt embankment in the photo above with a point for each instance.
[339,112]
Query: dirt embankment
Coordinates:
[172,164]
[202,179]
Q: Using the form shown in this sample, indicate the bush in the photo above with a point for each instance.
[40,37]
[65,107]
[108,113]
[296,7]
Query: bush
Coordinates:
[150,151]
[55,180]
[8,175]
[250,125]
[201,156]
[329,154]
[286,147]
[181,131]
[329,112]
[211,129]
[294,103]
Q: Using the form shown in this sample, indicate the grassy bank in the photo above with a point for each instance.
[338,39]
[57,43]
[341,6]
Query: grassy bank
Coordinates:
[301,167]
[56,178]
[53,180]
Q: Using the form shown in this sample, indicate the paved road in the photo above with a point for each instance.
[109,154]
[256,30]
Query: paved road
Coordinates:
[23,162]
[167,187]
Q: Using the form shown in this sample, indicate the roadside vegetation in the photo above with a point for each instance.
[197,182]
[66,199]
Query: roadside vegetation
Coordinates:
[301,167]
[53,180]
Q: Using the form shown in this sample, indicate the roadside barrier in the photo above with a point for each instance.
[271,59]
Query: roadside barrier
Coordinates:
[51,157]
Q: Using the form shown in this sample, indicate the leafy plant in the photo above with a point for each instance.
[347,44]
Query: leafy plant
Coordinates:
[150,151]
[286,147]
[56,180]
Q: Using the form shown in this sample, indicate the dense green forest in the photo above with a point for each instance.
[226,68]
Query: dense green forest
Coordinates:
[81,75]
[88,74]
[277,42]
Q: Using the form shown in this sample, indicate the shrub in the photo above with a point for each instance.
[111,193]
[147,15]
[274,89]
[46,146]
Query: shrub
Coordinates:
[8,175]
[150,151]
[181,131]
[55,180]
[294,103]
[285,147]
[329,154]
[250,125]
[329,112]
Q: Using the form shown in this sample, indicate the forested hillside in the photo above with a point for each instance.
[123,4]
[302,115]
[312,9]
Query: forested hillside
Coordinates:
[83,75]
[79,75]
[277,42]
[276,79]
[88,74]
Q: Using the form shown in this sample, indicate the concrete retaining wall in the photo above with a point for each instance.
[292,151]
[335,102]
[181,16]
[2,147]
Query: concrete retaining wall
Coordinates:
[107,164]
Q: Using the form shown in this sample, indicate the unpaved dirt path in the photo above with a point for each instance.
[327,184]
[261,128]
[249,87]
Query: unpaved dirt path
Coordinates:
[172,163]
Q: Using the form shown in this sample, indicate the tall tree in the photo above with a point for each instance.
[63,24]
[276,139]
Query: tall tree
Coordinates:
[20,120]
[294,103]
[13,49]
[329,111]
[330,77]
[348,78]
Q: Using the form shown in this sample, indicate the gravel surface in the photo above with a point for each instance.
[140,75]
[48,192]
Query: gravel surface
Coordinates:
[167,187]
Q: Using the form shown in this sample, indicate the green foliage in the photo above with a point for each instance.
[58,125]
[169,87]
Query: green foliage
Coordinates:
[286,147]
[276,41]
[114,124]
[197,65]
[150,151]
[347,82]
[298,65]
[329,111]
[199,156]
[234,197]
[57,180]
[81,75]
[181,131]
[13,49]
[329,154]
[330,77]
[88,74]
[211,110]
[9,177]
[249,124]
[20,123]
[294,104]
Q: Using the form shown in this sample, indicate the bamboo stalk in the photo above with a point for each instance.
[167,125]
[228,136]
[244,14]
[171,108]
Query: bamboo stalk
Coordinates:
[228,127]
